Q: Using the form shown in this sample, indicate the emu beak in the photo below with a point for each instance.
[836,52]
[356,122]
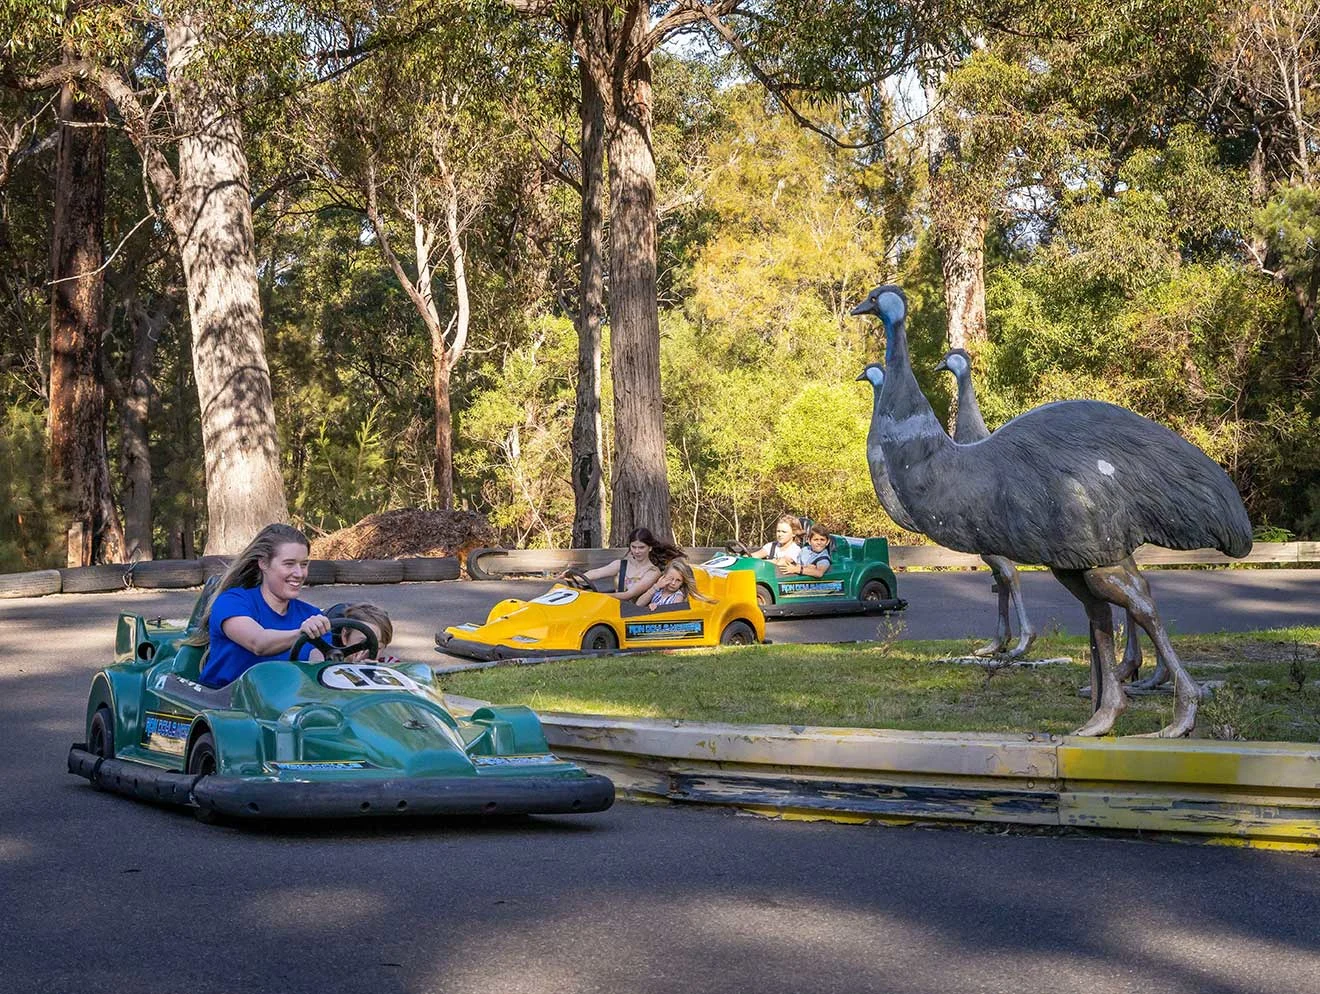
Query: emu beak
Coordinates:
[867,306]
[942,364]
[861,376]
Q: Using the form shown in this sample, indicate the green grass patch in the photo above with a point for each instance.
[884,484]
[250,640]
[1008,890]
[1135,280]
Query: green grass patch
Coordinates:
[1270,691]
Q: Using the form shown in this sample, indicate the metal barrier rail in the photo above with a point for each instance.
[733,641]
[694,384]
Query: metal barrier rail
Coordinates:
[1250,793]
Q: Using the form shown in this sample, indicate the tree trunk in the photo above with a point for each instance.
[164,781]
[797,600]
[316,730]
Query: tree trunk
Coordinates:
[444,428]
[212,220]
[79,463]
[587,472]
[961,243]
[641,482]
[134,402]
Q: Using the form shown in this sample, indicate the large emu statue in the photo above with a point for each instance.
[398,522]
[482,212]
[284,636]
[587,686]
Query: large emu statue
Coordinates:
[1075,485]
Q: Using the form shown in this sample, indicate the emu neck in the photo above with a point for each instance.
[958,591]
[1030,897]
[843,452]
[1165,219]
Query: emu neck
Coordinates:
[910,432]
[970,426]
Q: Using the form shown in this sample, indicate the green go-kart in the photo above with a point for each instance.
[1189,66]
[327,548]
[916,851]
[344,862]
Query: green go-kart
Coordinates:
[859,580]
[291,739]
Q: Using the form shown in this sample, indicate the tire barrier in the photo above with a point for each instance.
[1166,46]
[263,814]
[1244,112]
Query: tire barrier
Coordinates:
[35,584]
[368,571]
[503,564]
[214,566]
[430,568]
[1264,794]
[94,579]
[320,572]
[167,574]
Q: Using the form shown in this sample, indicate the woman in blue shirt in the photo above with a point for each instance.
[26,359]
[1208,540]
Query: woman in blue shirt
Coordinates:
[256,614]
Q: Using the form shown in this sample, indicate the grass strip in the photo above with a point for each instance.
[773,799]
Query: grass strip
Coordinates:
[1270,688]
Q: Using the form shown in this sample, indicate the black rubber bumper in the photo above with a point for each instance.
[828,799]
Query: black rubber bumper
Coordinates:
[235,797]
[803,610]
[487,652]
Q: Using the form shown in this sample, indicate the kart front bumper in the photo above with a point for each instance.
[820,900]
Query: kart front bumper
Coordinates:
[806,608]
[487,652]
[241,797]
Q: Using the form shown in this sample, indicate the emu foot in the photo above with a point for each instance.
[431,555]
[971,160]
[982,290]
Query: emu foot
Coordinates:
[1025,641]
[1157,679]
[995,648]
[1128,669]
[1102,722]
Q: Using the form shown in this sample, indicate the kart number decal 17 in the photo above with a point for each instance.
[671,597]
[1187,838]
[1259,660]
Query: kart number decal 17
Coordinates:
[365,676]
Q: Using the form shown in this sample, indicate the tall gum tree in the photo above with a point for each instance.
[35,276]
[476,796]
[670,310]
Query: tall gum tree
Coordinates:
[76,421]
[204,198]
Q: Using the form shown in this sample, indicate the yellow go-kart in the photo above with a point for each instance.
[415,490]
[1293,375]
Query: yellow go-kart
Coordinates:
[572,617]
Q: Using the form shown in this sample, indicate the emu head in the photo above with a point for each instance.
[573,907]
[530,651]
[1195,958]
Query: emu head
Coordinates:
[957,362]
[889,304]
[874,374]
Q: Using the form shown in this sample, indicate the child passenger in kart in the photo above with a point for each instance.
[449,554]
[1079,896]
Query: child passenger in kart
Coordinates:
[256,614]
[374,617]
[675,584]
[814,558]
[636,573]
[783,549]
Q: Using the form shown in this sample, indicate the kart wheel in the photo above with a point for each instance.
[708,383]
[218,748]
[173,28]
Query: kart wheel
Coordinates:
[738,633]
[875,590]
[763,596]
[600,638]
[101,736]
[201,760]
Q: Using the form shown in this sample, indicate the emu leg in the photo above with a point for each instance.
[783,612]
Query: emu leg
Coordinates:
[1131,664]
[1107,698]
[1002,631]
[1124,585]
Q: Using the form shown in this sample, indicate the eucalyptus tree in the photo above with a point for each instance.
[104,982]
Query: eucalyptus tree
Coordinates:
[185,122]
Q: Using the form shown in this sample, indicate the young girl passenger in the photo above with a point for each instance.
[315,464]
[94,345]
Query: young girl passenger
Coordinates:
[675,584]
[783,549]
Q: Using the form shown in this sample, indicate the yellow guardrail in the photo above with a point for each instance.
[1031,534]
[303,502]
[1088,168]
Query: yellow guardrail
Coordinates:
[1246,793]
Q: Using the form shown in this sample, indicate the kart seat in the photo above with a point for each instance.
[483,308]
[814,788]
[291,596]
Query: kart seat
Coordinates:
[196,695]
[188,661]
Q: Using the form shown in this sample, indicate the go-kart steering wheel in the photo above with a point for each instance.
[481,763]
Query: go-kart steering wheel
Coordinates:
[576,578]
[332,651]
[737,548]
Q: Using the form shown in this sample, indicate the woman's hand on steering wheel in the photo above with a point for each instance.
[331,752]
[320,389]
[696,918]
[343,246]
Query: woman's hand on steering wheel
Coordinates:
[576,578]
[737,548]
[328,649]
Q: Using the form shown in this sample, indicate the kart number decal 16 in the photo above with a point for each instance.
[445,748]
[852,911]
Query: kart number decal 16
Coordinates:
[366,676]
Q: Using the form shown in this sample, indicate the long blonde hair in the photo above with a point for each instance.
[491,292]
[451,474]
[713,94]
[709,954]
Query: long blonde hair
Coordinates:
[689,580]
[245,571]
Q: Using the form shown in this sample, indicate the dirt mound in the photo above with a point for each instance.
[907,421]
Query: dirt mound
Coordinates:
[407,532]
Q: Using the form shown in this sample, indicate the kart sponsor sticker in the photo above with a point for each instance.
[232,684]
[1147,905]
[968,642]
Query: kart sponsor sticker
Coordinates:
[663,631]
[365,676]
[164,732]
[530,759]
[320,766]
[806,589]
[557,596]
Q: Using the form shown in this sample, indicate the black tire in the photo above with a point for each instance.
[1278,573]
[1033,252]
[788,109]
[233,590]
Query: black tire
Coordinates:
[875,590]
[430,568]
[600,638]
[101,734]
[93,579]
[764,598]
[214,566]
[202,756]
[35,584]
[320,572]
[368,571]
[738,633]
[168,574]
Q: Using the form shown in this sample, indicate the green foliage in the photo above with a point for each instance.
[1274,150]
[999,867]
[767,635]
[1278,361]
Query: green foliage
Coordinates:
[30,533]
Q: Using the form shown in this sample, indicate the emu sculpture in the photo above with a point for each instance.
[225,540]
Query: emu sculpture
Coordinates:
[1076,485]
[970,427]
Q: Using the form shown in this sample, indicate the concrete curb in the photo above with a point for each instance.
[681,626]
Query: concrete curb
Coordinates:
[1264,794]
